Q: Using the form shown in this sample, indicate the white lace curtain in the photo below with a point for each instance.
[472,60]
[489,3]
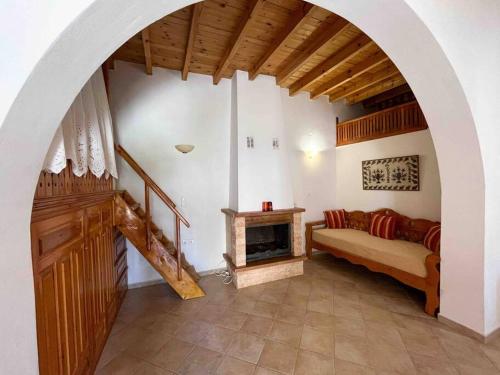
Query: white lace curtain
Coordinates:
[85,135]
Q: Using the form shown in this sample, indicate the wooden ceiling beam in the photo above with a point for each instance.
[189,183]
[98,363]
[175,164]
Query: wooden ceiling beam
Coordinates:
[387,95]
[296,21]
[146,44]
[193,28]
[371,62]
[238,38]
[379,88]
[333,62]
[312,44]
[369,81]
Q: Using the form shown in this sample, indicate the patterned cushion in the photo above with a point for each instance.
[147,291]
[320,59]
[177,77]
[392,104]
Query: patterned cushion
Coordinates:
[432,239]
[382,226]
[335,219]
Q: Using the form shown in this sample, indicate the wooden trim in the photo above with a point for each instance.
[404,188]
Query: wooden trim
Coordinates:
[401,119]
[358,69]
[293,25]
[333,62]
[382,86]
[238,38]
[314,43]
[196,11]
[146,45]
[233,213]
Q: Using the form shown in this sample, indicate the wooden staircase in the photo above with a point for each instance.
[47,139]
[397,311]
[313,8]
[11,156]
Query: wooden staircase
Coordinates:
[164,255]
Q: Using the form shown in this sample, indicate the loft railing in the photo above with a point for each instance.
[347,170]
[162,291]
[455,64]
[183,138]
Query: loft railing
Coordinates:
[149,184]
[404,118]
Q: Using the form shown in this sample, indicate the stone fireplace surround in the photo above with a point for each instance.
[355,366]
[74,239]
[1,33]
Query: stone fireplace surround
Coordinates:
[266,270]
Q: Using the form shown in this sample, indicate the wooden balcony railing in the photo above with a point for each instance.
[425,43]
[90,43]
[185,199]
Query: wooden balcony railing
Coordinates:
[404,118]
[149,184]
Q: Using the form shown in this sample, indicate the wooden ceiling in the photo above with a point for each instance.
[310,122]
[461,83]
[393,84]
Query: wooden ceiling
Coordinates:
[305,47]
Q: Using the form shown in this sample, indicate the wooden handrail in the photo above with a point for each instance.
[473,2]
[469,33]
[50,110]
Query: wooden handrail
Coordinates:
[400,119]
[150,183]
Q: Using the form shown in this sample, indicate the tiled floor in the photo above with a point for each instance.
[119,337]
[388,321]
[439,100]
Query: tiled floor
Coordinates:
[336,319]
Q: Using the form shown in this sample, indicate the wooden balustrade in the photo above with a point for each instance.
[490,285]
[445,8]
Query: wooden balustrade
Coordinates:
[149,184]
[401,119]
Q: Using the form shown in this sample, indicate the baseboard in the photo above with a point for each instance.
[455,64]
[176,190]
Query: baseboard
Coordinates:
[466,331]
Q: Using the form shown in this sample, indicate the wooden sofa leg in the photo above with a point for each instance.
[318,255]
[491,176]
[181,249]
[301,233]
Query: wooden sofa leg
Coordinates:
[432,299]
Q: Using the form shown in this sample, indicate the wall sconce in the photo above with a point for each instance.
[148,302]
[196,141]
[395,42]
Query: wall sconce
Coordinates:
[311,153]
[185,149]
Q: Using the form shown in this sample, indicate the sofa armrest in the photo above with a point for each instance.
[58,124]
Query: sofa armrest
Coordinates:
[309,229]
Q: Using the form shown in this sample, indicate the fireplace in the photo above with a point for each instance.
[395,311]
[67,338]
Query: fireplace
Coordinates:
[264,246]
[267,241]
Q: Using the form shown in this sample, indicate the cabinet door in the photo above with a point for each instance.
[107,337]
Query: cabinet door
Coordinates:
[58,246]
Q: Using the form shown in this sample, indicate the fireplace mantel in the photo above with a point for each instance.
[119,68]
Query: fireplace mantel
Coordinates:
[234,213]
[251,272]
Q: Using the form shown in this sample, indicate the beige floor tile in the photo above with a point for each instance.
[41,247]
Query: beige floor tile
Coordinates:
[172,355]
[321,304]
[320,320]
[310,363]
[493,353]
[349,368]
[473,370]
[122,364]
[278,357]
[422,345]
[427,365]
[217,338]
[149,369]
[264,371]
[243,303]
[383,333]
[265,309]
[286,333]
[233,366]
[232,319]
[289,314]
[317,340]
[257,325]
[297,301]
[211,313]
[193,331]
[352,349]
[351,326]
[201,360]
[383,357]
[148,345]
[246,347]
[272,296]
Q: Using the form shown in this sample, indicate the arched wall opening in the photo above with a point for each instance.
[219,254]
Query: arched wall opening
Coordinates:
[99,27]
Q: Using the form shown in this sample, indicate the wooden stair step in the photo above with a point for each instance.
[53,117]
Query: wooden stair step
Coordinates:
[134,206]
[159,234]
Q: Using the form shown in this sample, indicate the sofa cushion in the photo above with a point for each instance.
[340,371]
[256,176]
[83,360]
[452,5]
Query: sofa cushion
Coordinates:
[432,239]
[403,255]
[382,226]
[335,219]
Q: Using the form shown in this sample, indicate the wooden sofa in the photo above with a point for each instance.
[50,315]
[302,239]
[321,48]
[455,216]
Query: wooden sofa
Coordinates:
[405,258]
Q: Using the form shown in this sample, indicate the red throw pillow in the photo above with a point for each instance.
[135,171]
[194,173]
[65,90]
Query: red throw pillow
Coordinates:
[383,226]
[335,219]
[432,239]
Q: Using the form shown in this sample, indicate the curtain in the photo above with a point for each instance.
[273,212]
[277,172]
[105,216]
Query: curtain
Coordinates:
[85,135]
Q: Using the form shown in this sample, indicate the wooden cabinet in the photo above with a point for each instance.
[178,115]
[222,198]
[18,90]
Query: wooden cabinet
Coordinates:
[77,290]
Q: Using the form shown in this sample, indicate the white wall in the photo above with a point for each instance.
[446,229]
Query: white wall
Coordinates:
[151,115]
[425,203]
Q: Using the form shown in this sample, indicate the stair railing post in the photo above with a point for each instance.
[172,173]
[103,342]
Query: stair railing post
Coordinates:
[148,216]
[178,246]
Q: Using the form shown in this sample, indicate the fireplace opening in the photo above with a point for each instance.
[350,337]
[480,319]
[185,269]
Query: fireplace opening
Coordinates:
[267,241]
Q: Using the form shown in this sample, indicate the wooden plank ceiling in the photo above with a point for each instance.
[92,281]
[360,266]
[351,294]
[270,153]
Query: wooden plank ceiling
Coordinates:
[305,47]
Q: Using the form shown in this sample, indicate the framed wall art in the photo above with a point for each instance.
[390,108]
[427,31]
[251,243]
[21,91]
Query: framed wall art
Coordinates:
[400,173]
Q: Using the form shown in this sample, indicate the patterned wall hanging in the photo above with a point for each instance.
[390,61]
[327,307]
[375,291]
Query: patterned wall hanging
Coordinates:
[399,173]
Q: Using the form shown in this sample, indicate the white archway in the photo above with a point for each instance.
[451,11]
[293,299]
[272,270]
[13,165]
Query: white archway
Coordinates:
[95,28]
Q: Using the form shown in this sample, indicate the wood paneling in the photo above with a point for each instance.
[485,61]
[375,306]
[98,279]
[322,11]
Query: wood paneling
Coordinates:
[405,118]
[77,290]
[306,47]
